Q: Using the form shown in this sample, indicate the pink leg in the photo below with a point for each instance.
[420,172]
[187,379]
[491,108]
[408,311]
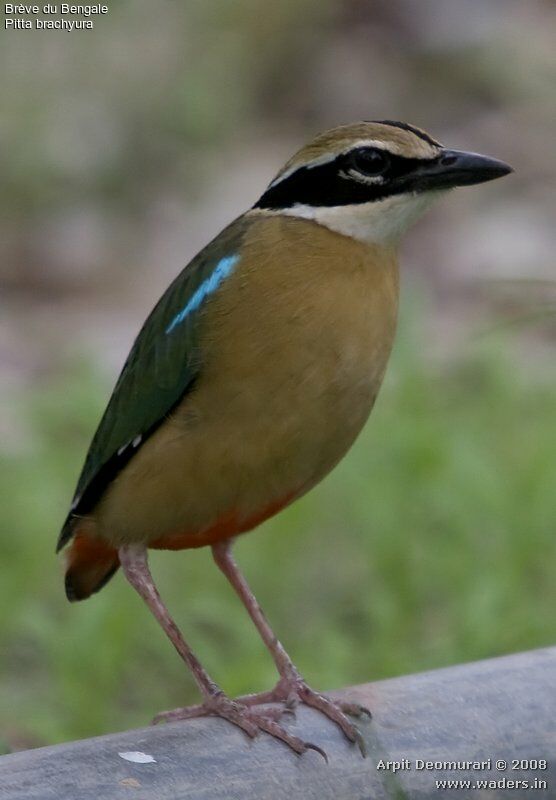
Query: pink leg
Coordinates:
[291,688]
[134,561]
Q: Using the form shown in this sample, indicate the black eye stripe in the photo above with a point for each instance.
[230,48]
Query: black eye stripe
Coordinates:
[326,184]
[396,166]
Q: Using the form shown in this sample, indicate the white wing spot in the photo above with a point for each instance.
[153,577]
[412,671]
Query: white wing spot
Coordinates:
[137,757]
[133,443]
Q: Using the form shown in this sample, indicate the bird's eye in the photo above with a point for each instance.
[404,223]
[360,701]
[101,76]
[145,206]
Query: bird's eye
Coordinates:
[370,161]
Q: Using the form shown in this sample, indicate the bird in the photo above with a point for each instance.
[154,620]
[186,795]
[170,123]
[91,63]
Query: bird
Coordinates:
[251,379]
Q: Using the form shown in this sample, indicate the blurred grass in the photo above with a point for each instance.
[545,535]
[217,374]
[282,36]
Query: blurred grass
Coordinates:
[431,544]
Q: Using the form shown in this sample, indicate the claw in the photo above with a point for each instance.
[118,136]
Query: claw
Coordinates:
[354,709]
[318,750]
[361,744]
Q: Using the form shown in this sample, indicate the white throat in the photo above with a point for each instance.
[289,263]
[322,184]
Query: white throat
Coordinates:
[380,221]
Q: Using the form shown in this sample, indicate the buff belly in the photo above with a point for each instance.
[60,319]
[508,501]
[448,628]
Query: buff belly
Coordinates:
[294,350]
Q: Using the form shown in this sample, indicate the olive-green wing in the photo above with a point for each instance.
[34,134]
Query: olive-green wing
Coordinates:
[161,368]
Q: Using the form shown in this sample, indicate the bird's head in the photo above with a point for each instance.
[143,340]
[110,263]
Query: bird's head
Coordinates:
[371,180]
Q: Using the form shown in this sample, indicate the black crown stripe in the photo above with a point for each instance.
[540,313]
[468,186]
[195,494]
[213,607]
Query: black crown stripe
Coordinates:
[407,127]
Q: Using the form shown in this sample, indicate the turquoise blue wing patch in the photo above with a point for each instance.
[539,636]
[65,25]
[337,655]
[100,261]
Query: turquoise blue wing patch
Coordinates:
[221,271]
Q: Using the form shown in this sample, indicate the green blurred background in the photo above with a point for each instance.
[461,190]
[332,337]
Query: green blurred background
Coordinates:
[125,149]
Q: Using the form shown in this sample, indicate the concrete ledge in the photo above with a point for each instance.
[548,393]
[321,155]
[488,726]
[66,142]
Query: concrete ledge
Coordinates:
[504,708]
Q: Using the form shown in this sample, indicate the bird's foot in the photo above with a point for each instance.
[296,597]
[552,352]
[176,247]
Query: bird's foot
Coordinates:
[292,690]
[250,719]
